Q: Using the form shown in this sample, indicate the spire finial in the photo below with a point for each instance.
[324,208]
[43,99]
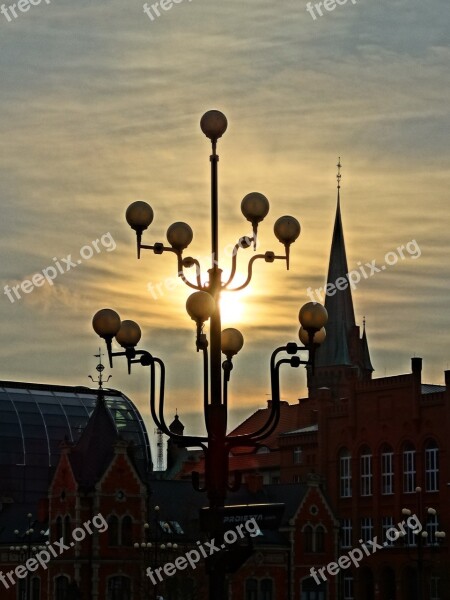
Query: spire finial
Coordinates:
[99,368]
[364,323]
[339,176]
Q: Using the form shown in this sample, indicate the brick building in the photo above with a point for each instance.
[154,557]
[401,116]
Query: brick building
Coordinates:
[377,446]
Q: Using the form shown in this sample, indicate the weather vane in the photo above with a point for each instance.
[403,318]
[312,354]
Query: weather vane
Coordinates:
[100,368]
[338,176]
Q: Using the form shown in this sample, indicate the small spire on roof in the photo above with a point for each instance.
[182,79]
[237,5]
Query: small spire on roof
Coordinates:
[100,368]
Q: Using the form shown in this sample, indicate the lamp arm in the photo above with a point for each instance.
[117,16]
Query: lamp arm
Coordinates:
[198,270]
[268,257]
[148,360]
[247,439]
[182,276]
[236,249]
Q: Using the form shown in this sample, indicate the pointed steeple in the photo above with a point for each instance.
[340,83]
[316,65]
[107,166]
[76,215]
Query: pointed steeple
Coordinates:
[366,362]
[338,302]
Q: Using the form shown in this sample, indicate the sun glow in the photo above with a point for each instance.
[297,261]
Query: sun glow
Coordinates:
[232,308]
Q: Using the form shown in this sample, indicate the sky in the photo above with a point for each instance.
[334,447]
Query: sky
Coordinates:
[100,106]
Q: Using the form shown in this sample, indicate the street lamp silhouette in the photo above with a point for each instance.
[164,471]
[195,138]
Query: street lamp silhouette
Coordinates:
[204,306]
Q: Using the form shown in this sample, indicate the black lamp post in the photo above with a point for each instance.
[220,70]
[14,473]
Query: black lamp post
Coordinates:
[422,538]
[25,551]
[204,305]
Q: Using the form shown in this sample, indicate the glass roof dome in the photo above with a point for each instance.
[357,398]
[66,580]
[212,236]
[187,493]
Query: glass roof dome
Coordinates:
[35,419]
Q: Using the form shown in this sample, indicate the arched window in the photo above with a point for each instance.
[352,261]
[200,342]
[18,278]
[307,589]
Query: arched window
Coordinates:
[61,587]
[127,531]
[251,589]
[365,462]
[113,530]
[320,539]
[266,589]
[409,468]
[345,473]
[432,466]
[308,538]
[119,588]
[67,529]
[35,586]
[59,528]
[387,470]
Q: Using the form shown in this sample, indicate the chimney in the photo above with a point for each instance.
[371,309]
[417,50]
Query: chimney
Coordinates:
[447,379]
[416,366]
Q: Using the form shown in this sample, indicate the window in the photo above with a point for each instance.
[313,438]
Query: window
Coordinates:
[311,591]
[297,455]
[346,533]
[345,473]
[119,588]
[435,585]
[367,529]
[308,538]
[113,531]
[61,587]
[432,467]
[320,539]
[251,589]
[411,537]
[127,531]
[366,472]
[432,527]
[387,471]
[386,524]
[35,586]
[409,469]
[266,589]
[67,529]
[59,528]
[348,587]
[297,478]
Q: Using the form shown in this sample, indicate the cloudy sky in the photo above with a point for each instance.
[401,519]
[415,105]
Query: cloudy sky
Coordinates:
[100,106]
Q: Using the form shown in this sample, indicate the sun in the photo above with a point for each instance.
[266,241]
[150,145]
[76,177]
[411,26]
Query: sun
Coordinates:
[232,308]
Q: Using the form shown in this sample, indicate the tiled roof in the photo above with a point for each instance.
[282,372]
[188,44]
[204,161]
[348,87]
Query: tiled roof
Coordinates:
[289,416]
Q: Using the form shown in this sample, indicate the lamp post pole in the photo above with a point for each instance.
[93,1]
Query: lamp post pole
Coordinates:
[422,537]
[204,305]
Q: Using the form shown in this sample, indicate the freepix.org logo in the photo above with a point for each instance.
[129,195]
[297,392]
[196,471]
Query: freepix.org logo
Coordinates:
[60,266]
[53,550]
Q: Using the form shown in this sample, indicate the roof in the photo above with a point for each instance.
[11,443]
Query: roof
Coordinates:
[178,501]
[289,415]
[309,429]
[36,418]
[94,450]
[431,388]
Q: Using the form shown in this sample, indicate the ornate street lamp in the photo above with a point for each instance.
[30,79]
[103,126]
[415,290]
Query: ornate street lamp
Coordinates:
[422,538]
[202,306]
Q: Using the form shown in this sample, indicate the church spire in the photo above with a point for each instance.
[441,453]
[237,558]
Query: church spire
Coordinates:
[338,300]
